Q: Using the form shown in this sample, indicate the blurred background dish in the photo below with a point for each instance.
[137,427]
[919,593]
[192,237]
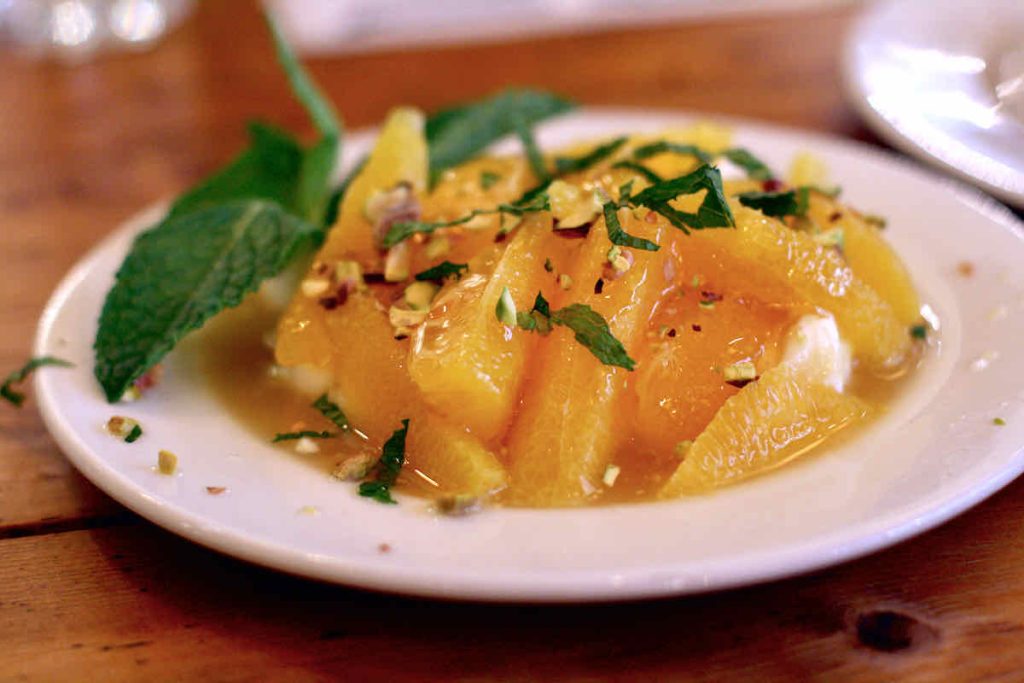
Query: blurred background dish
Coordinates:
[944,81]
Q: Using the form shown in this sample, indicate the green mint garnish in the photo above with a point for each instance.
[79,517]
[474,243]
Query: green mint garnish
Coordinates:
[647,173]
[755,168]
[567,165]
[999,422]
[403,230]
[387,468]
[133,435]
[442,271]
[220,240]
[919,331]
[662,146]
[304,434]
[181,273]
[331,411]
[524,131]
[16,398]
[713,212]
[460,133]
[619,236]
[773,203]
[488,179]
[589,328]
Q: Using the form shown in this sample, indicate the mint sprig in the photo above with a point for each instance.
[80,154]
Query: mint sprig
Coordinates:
[220,239]
[184,271]
[442,271]
[387,468]
[713,212]
[331,411]
[403,230]
[776,204]
[619,236]
[755,168]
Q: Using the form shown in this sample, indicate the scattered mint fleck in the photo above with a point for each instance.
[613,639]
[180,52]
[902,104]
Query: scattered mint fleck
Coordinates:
[662,146]
[919,331]
[15,397]
[590,329]
[567,165]
[649,175]
[133,435]
[442,271]
[304,434]
[776,204]
[999,422]
[331,411]
[755,168]
[713,212]
[488,179]
[619,236]
[403,230]
[387,468]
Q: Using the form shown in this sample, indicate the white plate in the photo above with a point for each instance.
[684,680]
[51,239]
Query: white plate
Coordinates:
[935,453]
[944,80]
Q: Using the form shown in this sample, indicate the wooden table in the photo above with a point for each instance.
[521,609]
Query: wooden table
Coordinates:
[89,591]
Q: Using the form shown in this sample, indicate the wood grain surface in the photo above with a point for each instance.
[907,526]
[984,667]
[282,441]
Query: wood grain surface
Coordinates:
[90,592]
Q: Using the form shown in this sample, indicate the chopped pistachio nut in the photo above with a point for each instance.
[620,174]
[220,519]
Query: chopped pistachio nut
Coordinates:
[878,222]
[396,263]
[457,505]
[505,310]
[306,446]
[831,238]
[314,287]
[419,295]
[438,246]
[400,316]
[682,448]
[611,473]
[124,428]
[620,260]
[564,281]
[349,271]
[999,422]
[166,462]
[695,281]
[707,305]
[382,202]
[354,468]
[309,510]
[743,371]
[572,206]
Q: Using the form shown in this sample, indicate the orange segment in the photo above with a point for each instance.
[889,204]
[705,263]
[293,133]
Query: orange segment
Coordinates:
[766,424]
[774,258]
[452,458]
[571,421]
[467,366]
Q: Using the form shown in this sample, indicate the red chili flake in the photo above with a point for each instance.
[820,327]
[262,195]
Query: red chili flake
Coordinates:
[329,302]
[384,548]
[695,328]
[965,268]
[709,296]
[373,278]
[740,383]
[400,337]
[599,286]
[500,237]
[772,185]
[835,216]
[651,217]
[150,379]
[672,332]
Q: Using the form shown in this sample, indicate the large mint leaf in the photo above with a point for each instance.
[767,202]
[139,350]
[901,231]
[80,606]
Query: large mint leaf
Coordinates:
[460,133]
[181,273]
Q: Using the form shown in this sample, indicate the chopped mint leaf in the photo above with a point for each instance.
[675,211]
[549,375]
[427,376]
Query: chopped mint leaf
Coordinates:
[332,411]
[919,331]
[662,146]
[181,273]
[304,434]
[772,203]
[460,133]
[442,271]
[403,230]
[488,179]
[649,175]
[533,155]
[390,464]
[16,398]
[589,328]
[619,236]
[567,165]
[713,212]
[755,168]
[133,435]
